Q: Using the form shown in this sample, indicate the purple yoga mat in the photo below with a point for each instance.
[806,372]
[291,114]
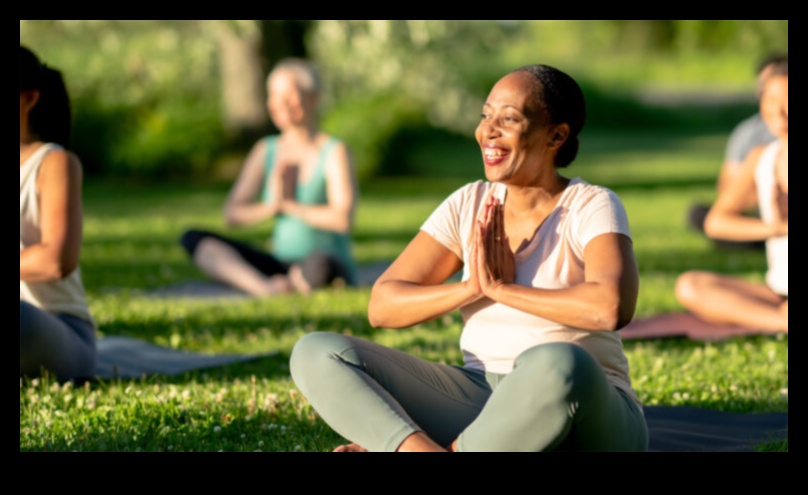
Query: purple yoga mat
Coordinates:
[683,325]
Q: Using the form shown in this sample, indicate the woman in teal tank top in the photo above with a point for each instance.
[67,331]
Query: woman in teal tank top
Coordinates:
[303,179]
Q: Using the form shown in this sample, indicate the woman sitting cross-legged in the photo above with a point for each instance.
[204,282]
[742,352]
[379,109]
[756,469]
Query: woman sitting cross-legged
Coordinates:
[549,278]
[304,179]
[724,299]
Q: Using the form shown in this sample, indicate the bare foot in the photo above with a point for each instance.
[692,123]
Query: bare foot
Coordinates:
[351,447]
[784,312]
[278,284]
[298,281]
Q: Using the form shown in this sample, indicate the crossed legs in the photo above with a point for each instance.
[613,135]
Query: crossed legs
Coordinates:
[384,400]
[722,299]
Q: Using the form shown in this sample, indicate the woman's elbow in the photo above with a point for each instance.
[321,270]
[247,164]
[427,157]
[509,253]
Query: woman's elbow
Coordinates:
[613,316]
[58,269]
[375,317]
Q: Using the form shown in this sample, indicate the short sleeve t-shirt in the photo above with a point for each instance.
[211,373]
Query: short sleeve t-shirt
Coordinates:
[749,134]
[494,335]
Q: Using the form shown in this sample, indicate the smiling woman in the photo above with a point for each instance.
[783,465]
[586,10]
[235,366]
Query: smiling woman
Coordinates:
[549,276]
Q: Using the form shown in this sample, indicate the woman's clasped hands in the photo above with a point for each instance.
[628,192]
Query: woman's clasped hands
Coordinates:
[492,263]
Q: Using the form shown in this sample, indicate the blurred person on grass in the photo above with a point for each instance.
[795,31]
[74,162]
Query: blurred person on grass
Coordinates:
[302,178]
[731,300]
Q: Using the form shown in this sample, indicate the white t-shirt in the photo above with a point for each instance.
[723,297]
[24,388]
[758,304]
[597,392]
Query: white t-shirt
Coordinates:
[494,335]
[776,247]
[65,296]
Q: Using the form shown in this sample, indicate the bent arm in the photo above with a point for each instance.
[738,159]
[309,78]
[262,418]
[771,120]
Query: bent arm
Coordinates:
[337,214]
[60,188]
[241,207]
[726,219]
[606,300]
[413,291]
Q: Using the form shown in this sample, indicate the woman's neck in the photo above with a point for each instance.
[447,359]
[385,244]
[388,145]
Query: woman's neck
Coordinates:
[305,134]
[538,197]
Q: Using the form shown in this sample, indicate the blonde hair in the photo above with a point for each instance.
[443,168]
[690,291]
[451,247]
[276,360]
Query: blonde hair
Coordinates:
[308,80]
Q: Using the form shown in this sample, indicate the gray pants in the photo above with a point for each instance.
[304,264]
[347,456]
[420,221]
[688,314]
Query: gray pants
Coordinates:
[555,399]
[61,344]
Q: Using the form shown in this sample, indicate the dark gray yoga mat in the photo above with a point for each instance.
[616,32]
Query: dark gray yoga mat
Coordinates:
[128,358]
[692,429]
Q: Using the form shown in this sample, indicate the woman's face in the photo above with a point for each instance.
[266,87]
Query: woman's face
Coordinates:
[288,105]
[513,137]
[774,105]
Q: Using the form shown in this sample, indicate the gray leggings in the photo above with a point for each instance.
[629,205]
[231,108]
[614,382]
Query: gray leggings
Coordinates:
[61,344]
[555,399]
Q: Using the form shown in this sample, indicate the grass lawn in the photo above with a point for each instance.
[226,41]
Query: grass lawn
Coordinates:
[130,245]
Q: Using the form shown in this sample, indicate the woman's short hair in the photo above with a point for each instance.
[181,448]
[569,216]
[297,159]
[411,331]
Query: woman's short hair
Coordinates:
[306,75]
[561,101]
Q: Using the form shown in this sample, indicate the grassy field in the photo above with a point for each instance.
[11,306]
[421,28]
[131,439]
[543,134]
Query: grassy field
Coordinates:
[130,247]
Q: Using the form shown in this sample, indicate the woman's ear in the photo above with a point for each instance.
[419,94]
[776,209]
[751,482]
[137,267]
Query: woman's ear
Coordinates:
[559,135]
[30,97]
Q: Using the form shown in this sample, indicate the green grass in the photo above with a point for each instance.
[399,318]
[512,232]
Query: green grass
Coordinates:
[131,233]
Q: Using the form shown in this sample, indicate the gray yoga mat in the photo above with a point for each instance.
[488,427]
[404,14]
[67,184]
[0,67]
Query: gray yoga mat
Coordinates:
[208,289]
[128,358]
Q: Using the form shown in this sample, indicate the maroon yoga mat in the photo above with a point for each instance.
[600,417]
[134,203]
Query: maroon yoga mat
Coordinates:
[683,325]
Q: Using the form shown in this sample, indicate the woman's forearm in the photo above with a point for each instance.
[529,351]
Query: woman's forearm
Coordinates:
[248,214]
[397,304]
[324,217]
[739,228]
[591,306]
[40,264]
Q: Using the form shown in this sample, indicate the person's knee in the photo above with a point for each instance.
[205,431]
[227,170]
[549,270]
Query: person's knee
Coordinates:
[310,351]
[319,270]
[190,240]
[558,368]
[688,287]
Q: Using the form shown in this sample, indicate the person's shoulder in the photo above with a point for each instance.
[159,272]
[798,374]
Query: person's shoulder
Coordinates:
[752,129]
[581,189]
[59,156]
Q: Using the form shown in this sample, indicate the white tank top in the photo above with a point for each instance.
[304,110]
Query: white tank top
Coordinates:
[64,296]
[776,247]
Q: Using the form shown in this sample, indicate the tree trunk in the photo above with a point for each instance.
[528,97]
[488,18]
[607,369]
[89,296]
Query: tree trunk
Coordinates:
[244,109]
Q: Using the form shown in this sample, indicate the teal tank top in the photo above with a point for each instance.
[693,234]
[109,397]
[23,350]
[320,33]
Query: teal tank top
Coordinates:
[292,239]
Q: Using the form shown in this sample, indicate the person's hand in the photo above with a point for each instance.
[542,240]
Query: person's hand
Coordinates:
[495,261]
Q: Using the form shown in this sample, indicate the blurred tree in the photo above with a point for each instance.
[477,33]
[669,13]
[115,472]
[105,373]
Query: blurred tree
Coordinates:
[382,76]
[247,50]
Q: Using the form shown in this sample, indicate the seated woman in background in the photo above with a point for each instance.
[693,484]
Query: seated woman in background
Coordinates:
[729,300]
[304,179]
[57,332]
[549,276]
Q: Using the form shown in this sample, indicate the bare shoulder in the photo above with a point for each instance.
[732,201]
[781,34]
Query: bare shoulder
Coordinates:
[340,153]
[60,163]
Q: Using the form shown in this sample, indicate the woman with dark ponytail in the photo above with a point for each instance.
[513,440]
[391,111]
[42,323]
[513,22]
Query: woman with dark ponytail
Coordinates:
[549,279]
[57,331]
